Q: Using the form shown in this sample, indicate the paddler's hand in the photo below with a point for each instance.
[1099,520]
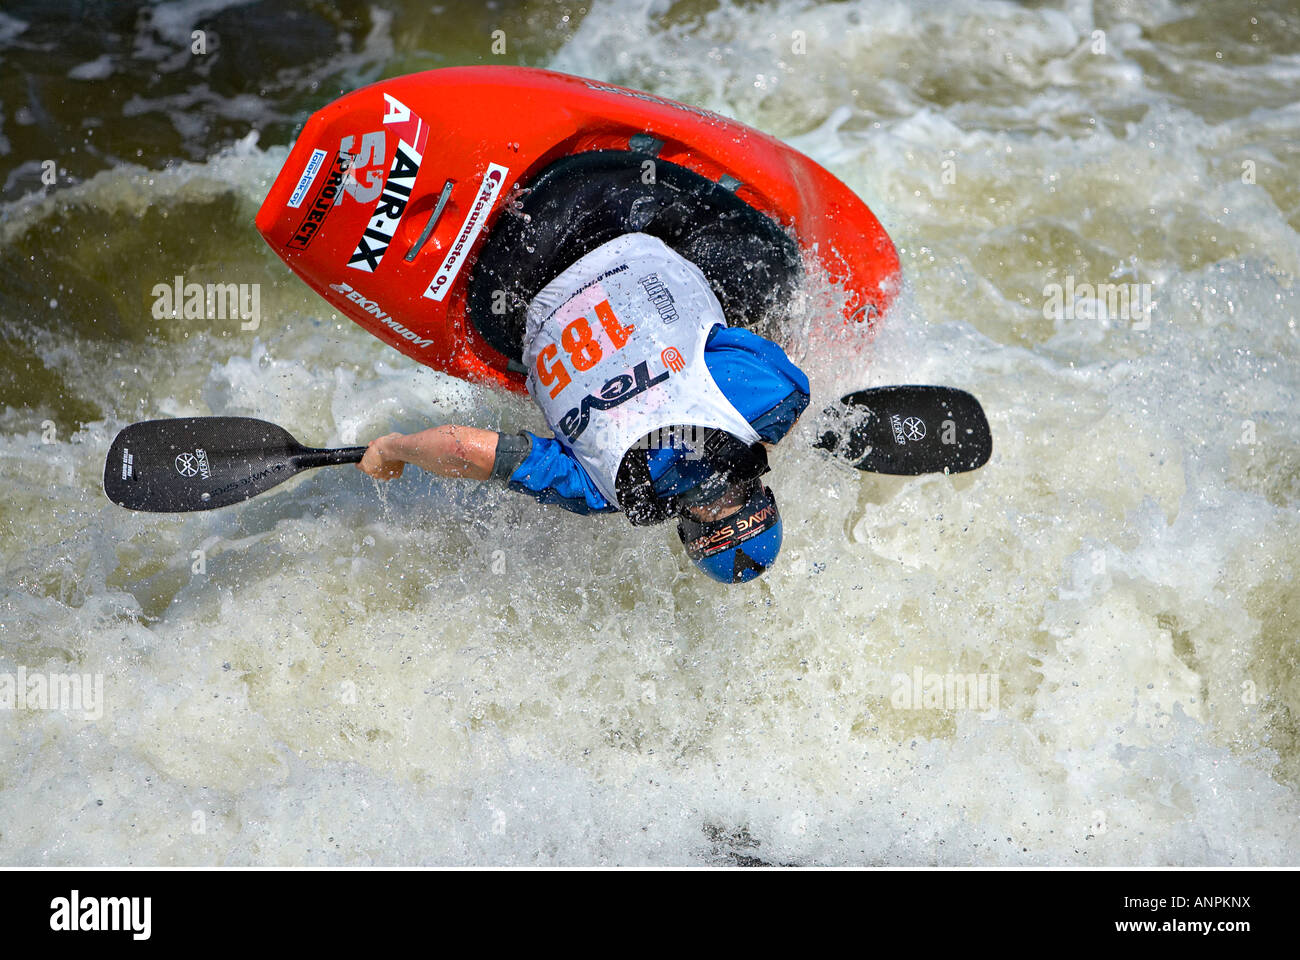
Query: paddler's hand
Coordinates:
[382,459]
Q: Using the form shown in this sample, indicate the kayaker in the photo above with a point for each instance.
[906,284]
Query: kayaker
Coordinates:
[658,408]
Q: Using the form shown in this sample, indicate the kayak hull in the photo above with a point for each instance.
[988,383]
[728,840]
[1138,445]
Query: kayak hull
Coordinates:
[390,191]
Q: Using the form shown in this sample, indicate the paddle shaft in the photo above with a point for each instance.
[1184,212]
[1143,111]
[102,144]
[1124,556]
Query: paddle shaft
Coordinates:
[312,457]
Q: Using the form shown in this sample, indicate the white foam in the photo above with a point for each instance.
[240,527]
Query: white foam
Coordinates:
[97,69]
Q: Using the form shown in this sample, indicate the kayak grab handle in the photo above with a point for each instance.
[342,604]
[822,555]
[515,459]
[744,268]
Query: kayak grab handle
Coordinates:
[433,221]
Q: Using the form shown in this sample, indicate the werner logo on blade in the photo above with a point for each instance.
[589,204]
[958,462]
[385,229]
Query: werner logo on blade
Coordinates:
[412,134]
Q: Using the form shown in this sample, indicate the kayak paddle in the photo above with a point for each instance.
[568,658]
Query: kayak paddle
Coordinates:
[909,430]
[201,463]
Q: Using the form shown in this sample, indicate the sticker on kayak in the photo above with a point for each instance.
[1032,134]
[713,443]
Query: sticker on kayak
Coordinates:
[308,175]
[488,191]
[412,135]
[321,204]
[380,314]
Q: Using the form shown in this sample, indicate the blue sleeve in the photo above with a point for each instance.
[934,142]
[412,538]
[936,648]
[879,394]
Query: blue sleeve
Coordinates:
[550,474]
[759,380]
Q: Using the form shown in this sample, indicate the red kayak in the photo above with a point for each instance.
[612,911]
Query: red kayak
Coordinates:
[428,208]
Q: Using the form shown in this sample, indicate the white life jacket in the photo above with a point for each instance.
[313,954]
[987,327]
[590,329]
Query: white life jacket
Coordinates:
[615,351]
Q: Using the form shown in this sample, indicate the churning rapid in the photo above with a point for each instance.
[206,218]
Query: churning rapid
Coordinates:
[1083,653]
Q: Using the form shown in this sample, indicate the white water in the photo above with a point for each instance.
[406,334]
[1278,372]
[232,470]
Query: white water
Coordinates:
[439,673]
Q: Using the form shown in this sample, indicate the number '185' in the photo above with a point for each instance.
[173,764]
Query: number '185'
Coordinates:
[584,350]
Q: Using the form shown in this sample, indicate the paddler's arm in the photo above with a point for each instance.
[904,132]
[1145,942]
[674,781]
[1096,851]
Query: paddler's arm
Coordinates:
[537,466]
[448,451]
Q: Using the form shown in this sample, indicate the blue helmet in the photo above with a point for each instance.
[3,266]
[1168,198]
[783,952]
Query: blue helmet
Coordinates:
[722,476]
[740,546]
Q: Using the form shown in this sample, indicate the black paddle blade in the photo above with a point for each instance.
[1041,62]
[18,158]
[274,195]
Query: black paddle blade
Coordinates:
[909,430]
[199,463]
